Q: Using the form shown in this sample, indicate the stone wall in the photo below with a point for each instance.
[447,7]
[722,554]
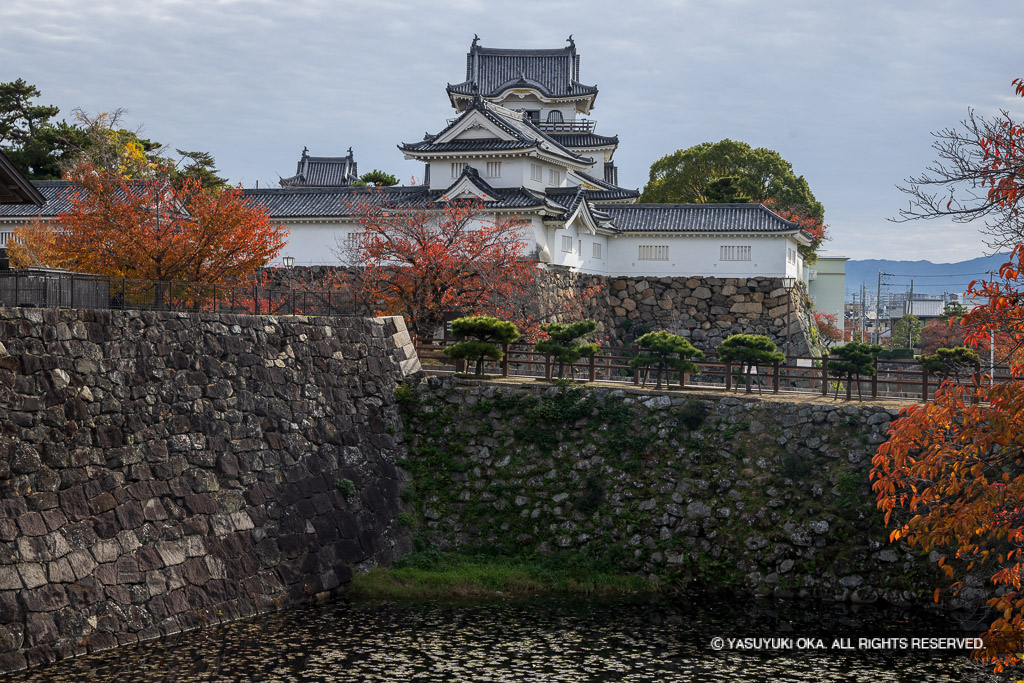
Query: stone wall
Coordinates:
[706,310]
[163,471]
[712,491]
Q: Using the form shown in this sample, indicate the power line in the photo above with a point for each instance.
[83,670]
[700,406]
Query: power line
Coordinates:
[984,272]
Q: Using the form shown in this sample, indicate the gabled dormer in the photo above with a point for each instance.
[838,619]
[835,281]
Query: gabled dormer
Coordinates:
[506,149]
[469,185]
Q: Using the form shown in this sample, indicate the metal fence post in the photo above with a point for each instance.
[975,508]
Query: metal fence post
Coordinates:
[824,375]
[728,376]
[775,377]
[504,360]
[874,381]
[924,385]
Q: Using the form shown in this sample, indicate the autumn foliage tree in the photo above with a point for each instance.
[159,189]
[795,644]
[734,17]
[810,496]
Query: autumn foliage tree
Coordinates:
[426,262]
[951,476]
[153,229]
[829,331]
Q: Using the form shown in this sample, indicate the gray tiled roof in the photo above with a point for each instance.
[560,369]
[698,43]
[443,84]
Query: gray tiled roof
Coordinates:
[482,144]
[490,71]
[525,135]
[323,172]
[598,196]
[696,218]
[56,193]
[326,202]
[584,139]
[605,185]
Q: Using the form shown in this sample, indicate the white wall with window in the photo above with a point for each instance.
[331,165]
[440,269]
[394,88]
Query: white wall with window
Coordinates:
[683,255]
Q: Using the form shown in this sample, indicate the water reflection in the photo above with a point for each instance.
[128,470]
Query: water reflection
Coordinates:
[534,640]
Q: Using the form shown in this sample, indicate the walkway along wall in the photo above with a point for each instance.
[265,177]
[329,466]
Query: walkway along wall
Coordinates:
[163,471]
[713,491]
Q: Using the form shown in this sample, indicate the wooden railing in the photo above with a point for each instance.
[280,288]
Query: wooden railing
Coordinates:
[578,126]
[904,379]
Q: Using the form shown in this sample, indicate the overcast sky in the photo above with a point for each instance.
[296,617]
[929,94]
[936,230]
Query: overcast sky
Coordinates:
[846,91]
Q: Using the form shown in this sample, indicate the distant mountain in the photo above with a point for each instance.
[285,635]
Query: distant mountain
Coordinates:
[928,277]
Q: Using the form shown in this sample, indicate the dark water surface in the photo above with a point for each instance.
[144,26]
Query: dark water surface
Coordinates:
[543,639]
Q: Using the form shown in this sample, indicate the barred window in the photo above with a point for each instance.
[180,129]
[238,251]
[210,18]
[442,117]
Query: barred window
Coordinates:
[554,177]
[653,252]
[734,253]
[536,172]
[567,243]
[597,250]
[458,168]
[354,239]
[493,169]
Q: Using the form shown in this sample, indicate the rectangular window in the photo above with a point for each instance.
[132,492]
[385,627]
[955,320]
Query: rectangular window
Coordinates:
[457,169]
[554,177]
[353,239]
[653,252]
[536,172]
[493,169]
[597,250]
[734,253]
[567,243]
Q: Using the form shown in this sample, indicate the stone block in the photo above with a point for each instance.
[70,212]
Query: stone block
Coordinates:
[33,574]
[32,524]
[10,579]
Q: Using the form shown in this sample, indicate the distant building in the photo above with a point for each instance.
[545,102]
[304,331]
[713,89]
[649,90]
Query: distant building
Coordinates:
[826,285]
[323,171]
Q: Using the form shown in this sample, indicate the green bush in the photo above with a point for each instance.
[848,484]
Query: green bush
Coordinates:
[664,350]
[749,351]
[487,333]
[565,343]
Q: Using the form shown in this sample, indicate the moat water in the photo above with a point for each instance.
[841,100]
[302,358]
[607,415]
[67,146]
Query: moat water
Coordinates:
[545,639]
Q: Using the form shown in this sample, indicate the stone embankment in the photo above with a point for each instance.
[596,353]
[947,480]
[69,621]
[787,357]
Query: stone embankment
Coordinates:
[714,490]
[164,471]
[704,309]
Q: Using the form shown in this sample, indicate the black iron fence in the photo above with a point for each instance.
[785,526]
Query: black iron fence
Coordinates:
[40,288]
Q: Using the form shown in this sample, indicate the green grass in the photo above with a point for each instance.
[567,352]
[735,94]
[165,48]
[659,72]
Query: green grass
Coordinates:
[432,575]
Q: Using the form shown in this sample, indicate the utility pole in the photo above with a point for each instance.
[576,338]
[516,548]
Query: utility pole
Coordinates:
[863,313]
[878,313]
